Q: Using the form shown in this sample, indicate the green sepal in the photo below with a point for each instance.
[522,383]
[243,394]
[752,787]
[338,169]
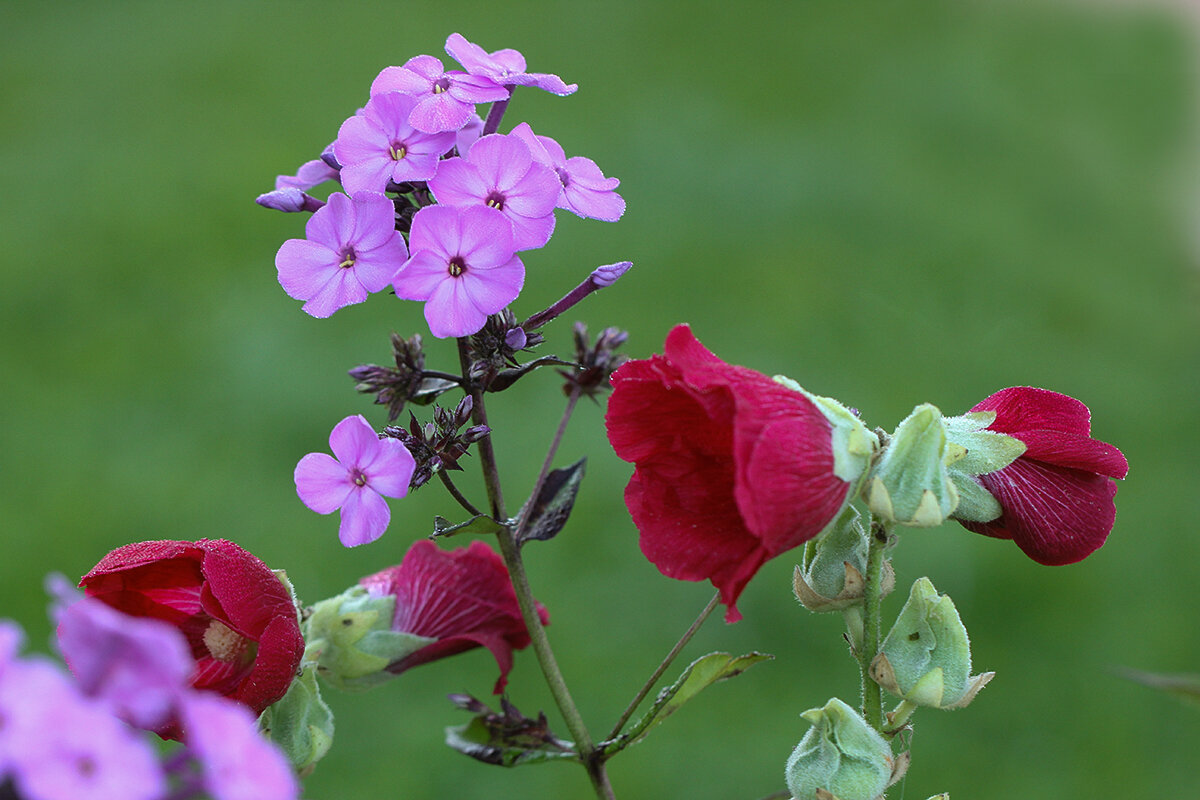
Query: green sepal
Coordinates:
[841,756]
[301,723]
[985,451]
[853,444]
[831,576]
[975,503]
[351,640]
[699,675]
[926,656]
[507,738]
[910,485]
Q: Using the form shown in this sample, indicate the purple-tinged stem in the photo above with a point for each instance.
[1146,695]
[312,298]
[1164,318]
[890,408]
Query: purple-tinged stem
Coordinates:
[600,278]
[496,113]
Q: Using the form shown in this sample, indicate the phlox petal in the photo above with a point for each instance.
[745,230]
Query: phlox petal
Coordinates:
[501,160]
[458,183]
[420,276]
[322,483]
[340,290]
[408,79]
[333,224]
[353,441]
[365,516]
[304,267]
[237,762]
[485,237]
[436,113]
[390,468]
[490,290]
[450,312]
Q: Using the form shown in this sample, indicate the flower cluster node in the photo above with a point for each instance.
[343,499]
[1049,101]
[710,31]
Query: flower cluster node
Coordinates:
[595,361]
[407,382]
[440,443]
[493,351]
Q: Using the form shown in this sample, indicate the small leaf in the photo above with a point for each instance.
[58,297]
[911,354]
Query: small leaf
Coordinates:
[1186,687]
[480,523]
[548,513]
[700,674]
[507,738]
[429,389]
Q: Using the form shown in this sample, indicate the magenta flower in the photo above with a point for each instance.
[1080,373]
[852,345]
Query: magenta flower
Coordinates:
[1057,497]
[352,248]
[499,172]
[505,67]
[463,266]
[585,191]
[462,598]
[445,100]
[377,145]
[733,468]
[236,762]
[366,470]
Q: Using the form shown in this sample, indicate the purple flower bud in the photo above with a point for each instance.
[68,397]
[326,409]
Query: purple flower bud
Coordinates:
[289,199]
[607,275]
[515,338]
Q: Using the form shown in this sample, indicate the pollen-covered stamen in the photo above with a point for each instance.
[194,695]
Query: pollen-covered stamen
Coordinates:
[456,266]
[495,200]
[360,477]
[397,150]
[224,643]
[563,176]
[442,84]
[348,257]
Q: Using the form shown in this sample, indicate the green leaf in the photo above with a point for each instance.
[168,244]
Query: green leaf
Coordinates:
[699,675]
[506,738]
[480,523]
[1186,687]
[548,512]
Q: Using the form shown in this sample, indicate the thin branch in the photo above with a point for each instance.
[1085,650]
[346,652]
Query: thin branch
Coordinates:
[457,495]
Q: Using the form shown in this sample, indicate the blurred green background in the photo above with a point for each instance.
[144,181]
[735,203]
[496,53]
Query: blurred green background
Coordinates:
[891,202]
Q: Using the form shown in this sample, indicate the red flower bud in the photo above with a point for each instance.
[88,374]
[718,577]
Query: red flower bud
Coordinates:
[239,619]
[1057,497]
[462,598]
[733,468]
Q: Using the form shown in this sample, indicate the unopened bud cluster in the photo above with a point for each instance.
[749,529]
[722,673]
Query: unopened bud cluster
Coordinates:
[439,444]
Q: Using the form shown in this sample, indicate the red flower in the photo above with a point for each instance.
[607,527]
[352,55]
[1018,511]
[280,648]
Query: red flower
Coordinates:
[732,468]
[462,598]
[1057,497]
[239,619]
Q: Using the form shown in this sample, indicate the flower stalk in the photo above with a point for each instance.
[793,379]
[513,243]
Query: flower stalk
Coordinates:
[872,694]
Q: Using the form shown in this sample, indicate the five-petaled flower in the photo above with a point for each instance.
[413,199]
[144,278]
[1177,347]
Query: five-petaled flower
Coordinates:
[445,99]
[505,67]
[239,619]
[585,191]
[463,266]
[1057,497]
[352,248]
[366,469]
[732,467]
[378,145]
[462,598]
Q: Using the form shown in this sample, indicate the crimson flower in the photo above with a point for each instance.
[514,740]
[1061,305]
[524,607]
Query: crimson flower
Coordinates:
[732,467]
[238,618]
[462,598]
[1057,497]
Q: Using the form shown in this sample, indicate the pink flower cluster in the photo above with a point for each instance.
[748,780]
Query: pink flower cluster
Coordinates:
[419,141]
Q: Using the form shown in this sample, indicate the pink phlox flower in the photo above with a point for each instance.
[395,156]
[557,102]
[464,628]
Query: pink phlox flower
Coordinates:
[366,469]
[585,191]
[463,266]
[138,666]
[378,145]
[445,100]
[499,171]
[236,762]
[462,598]
[310,174]
[505,67]
[1056,499]
[57,744]
[351,248]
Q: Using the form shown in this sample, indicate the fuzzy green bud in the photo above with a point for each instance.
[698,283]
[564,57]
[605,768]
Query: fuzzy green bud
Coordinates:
[350,638]
[910,485]
[831,577]
[926,657]
[841,757]
[300,722]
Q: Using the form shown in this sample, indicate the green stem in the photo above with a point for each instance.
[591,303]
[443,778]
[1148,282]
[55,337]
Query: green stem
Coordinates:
[510,551]
[662,667]
[872,694]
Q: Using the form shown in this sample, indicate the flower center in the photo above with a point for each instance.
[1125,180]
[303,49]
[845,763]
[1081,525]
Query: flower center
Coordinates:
[348,256]
[456,266]
[442,84]
[397,150]
[224,643]
[360,477]
[495,200]
[563,177]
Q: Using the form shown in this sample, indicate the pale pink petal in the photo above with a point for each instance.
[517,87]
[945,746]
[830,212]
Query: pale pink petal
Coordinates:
[502,160]
[341,290]
[304,267]
[365,516]
[490,290]
[333,224]
[353,441]
[486,237]
[449,311]
[322,483]
[458,183]
[391,470]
